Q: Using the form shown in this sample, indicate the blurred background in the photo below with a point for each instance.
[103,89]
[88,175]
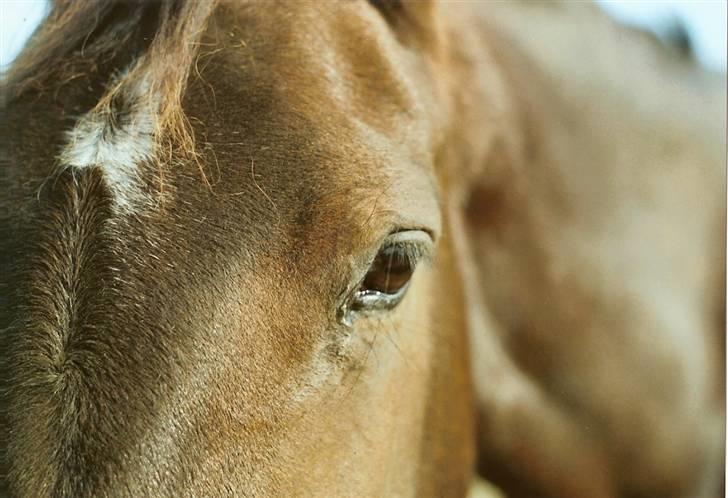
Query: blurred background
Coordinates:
[703,20]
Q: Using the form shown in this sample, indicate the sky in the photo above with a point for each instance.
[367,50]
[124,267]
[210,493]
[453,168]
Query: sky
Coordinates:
[705,21]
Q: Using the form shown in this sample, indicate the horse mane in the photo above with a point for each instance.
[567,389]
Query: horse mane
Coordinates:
[155,42]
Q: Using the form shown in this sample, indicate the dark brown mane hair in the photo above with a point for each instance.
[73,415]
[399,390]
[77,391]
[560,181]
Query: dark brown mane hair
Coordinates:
[154,42]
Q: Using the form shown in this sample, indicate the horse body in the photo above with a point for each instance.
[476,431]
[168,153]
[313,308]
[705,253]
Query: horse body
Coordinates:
[198,189]
[595,229]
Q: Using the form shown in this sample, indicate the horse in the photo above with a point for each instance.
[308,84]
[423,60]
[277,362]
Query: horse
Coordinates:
[359,248]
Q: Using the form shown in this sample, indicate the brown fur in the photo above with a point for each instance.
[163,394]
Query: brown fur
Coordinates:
[570,326]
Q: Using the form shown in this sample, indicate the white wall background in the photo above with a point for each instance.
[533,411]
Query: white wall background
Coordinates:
[705,21]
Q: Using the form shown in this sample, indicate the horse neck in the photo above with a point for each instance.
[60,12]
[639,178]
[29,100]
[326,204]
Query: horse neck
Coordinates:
[610,135]
[571,69]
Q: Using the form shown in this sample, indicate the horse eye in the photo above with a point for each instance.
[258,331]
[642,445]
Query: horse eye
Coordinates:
[389,273]
[387,280]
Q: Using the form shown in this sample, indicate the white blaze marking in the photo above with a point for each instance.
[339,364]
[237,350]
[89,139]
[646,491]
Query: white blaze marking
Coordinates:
[117,149]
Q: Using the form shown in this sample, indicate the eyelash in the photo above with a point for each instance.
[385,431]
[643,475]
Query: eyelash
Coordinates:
[414,250]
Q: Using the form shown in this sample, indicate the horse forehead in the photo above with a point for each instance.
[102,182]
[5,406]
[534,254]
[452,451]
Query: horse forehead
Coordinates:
[337,64]
[322,87]
[325,56]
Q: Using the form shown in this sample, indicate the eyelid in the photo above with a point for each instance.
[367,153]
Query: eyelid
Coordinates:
[417,245]
[399,229]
